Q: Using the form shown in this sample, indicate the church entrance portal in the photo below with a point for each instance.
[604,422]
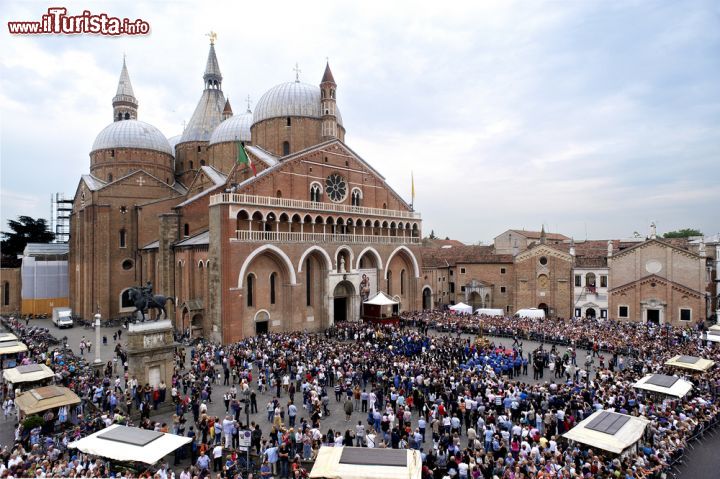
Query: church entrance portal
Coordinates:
[342,296]
[545,308]
[427,298]
[590,313]
[261,327]
[653,316]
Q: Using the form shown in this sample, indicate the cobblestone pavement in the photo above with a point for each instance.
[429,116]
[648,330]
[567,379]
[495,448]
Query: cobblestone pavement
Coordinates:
[700,463]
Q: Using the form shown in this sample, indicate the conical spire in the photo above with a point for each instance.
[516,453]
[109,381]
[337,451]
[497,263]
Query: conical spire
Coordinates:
[327,76]
[212,76]
[227,111]
[124,102]
[542,235]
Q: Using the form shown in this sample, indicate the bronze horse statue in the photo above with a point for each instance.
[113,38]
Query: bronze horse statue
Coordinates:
[143,303]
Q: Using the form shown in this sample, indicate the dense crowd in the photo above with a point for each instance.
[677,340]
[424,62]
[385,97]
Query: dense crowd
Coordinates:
[471,407]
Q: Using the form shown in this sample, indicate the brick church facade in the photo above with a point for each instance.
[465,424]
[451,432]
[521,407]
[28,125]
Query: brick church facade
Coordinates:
[282,243]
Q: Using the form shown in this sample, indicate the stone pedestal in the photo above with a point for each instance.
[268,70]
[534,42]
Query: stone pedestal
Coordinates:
[151,353]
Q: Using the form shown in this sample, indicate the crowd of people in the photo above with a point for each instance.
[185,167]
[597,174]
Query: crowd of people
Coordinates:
[472,408]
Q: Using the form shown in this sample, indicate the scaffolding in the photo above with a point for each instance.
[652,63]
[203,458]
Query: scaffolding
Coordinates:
[60,209]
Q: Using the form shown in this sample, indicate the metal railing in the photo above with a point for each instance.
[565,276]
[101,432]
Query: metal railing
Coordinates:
[269,201]
[295,237]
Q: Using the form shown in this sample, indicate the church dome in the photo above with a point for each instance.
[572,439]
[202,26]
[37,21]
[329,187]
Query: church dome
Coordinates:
[174,140]
[131,134]
[289,99]
[235,128]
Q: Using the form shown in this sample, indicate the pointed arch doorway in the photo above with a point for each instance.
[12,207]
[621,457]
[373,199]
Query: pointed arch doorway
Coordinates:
[342,300]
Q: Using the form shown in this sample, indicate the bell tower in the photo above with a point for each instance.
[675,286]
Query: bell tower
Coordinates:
[125,105]
[327,105]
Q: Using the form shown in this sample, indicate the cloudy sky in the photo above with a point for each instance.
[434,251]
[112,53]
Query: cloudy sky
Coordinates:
[593,118]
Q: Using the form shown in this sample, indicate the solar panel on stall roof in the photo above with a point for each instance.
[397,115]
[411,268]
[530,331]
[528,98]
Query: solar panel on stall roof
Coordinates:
[29,368]
[47,392]
[130,435]
[608,422]
[373,457]
[662,380]
[688,359]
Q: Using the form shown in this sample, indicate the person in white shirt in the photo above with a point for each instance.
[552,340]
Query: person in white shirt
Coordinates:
[359,434]
[371,439]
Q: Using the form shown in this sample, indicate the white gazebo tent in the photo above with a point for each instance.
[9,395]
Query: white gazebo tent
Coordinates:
[381,307]
[530,313]
[45,398]
[490,312]
[125,443]
[364,463]
[714,327]
[7,337]
[12,347]
[712,335]
[461,308]
[608,430]
[690,362]
[28,373]
[663,384]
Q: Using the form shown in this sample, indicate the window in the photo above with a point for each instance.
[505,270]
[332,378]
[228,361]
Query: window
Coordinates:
[186,229]
[288,122]
[402,282]
[502,270]
[286,147]
[272,287]
[6,293]
[198,152]
[578,280]
[110,177]
[462,270]
[502,289]
[125,300]
[507,308]
[603,281]
[250,289]
[578,312]
[308,290]
[356,195]
[191,164]
[202,162]
[623,311]
[462,289]
[603,313]
[127,264]
[112,153]
[389,286]
[452,286]
[685,314]
[543,260]
[452,273]
[278,194]
[315,193]
[123,239]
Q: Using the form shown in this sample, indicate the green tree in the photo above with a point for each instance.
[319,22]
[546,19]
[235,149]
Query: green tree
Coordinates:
[683,233]
[24,230]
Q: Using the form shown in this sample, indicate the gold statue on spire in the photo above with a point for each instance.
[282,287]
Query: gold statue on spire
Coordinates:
[213,37]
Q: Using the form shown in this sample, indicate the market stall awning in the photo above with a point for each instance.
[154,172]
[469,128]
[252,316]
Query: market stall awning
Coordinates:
[7,337]
[125,443]
[714,327]
[381,299]
[608,430]
[490,312]
[12,347]
[27,373]
[461,308]
[713,336]
[690,362]
[48,397]
[364,463]
[668,385]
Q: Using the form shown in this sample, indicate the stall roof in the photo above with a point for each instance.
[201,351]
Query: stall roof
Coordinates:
[27,373]
[461,308]
[714,327]
[690,362]
[12,347]
[125,443]
[668,385]
[712,336]
[608,430]
[490,312]
[381,299]
[7,337]
[42,399]
[363,463]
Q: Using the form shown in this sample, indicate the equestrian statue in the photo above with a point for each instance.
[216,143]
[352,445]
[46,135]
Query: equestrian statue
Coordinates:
[144,300]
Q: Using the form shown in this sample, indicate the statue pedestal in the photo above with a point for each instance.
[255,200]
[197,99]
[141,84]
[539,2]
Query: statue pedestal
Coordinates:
[151,353]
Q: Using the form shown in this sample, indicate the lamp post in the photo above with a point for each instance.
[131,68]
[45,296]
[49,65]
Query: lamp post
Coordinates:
[97,339]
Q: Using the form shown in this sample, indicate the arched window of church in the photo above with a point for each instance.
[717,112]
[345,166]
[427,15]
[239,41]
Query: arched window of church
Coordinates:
[288,122]
[315,193]
[308,290]
[127,116]
[186,229]
[123,238]
[202,162]
[110,177]
[191,164]
[6,293]
[389,288]
[250,289]
[278,194]
[402,282]
[286,147]
[125,300]
[272,287]
[112,153]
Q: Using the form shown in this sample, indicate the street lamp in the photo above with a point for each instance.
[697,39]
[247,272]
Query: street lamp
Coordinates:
[97,339]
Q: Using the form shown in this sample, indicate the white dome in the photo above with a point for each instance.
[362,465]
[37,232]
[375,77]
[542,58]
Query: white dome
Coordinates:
[290,99]
[235,128]
[131,134]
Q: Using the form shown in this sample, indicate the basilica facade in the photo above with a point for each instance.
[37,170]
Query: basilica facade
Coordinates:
[262,221]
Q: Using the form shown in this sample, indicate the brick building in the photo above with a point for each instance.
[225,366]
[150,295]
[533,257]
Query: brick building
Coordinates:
[282,245]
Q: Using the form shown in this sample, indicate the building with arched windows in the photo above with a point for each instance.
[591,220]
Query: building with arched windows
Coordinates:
[281,241]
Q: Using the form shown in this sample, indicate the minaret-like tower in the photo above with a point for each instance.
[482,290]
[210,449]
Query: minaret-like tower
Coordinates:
[124,103]
[227,111]
[327,104]
[212,76]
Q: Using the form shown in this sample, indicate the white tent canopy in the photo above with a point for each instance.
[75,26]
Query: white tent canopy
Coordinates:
[690,362]
[461,308]
[12,347]
[381,299]
[124,443]
[625,437]
[27,373]
[714,327]
[713,336]
[364,463]
[668,385]
[490,312]
[530,313]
